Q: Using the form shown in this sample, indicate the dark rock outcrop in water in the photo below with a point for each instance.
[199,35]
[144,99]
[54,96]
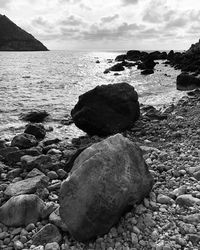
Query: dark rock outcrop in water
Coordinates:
[35,116]
[13,38]
[116,67]
[107,109]
[105,180]
[187,82]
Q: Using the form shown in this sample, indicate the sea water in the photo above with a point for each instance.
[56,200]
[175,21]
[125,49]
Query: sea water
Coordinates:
[53,81]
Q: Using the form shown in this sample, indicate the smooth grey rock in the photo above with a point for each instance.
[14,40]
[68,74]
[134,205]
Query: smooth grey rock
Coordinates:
[22,210]
[105,180]
[27,186]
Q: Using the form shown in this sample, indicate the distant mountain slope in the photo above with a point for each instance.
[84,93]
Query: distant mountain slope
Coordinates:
[13,38]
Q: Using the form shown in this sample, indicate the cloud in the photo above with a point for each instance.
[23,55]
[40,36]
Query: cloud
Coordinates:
[177,22]
[4,3]
[98,33]
[71,21]
[128,2]
[70,1]
[109,19]
[157,12]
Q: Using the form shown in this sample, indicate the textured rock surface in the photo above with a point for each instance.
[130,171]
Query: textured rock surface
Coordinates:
[107,109]
[37,130]
[27,186]
[106,178]
[13,38]
[49,233]
[24,141]
[22,210]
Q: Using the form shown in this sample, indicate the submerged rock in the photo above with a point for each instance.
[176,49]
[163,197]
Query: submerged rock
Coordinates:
[147,72]
[107,109]
[35,116]
[147,64]
[22,210]
[116,67]
[105,180]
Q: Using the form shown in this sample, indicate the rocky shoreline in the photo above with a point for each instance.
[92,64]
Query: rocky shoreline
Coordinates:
[167,219]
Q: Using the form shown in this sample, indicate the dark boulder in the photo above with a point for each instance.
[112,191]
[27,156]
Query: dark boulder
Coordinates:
[107,109]
[120,58]
[170,55]
[157,55]
[37,130]
[147,72]
[106,180]
[129,64]
[35,116]
[187,81]
[134,55]
[116,67]
[147,64]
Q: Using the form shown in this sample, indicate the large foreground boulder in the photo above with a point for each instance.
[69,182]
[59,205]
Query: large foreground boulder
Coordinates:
[106,179]
[107,109]
[187,82]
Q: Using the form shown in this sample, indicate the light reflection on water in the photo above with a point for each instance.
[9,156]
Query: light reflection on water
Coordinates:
[53,81]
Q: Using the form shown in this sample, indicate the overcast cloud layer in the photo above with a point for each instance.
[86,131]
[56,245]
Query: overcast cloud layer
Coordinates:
[113,24]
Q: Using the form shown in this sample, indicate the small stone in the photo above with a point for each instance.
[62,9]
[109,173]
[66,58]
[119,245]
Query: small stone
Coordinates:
[61,173]
[134,238]
[3,235]
[49,233]
[52,175]
[55,219]
[52,246]
[187,200]
[24,141]
[192,218]
[18,245]
[163,199]
[194,238]
[16,231]
[30,227]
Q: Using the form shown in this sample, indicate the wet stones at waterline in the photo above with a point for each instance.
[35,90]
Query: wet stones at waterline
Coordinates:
[36,129]
[107,109]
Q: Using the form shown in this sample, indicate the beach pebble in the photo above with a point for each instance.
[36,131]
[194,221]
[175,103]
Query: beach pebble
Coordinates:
[163,199]
[52,246]
[18,245]
[187,200]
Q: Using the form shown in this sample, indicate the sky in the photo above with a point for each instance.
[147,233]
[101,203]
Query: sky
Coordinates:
[108,24]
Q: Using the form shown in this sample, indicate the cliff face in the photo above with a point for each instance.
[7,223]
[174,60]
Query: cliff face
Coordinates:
[13,38]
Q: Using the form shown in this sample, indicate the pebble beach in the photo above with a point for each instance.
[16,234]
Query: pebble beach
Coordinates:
[167,219]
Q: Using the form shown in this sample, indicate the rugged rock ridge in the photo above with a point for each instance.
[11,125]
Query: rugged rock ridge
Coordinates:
[13,38]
